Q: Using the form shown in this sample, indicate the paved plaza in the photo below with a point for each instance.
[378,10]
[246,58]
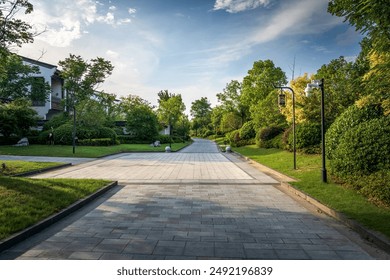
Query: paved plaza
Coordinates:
[194,204]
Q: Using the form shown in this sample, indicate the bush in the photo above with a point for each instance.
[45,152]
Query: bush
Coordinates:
[308,137]
[363,150]
[233,137]
[106,132]
[56,121]
[375,187]
[247,131]
[352,117]
[63,134]
[265,135]
[12,140]
[164,139]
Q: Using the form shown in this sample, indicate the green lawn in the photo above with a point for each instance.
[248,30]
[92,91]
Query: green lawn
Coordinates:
[24,202]
[14,167]
[83,151]
[337,197]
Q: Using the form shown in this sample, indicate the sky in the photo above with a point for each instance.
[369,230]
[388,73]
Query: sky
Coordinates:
[189,47]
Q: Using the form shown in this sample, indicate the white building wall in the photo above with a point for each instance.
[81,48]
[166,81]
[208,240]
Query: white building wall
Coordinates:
[47,74]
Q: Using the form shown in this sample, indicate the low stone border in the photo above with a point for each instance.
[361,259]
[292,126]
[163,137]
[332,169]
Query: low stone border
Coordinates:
[30,231]
[372,236]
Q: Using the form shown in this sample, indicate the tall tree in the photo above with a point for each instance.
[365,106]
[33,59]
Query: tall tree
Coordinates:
[260,81]
[170,110]
[14,31]
[258,85]
[369,17]
[17,117]
[81,81]
[82,77]
[230,100]
[18,81]
[201,113]
[340,80]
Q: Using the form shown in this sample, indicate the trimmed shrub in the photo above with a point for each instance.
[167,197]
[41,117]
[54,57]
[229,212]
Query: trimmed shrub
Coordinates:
[56,121]
[63,134]
[265,135]
[375,187]
[106,132]
[363,150]
[233,137]
[352,117]
[308,137]
[12,140]
[247,131]
[164,139]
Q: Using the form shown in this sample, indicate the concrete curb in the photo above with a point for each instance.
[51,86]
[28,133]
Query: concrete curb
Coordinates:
[30,231]
[372,236]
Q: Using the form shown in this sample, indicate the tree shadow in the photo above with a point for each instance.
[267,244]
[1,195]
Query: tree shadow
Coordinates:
[193,222]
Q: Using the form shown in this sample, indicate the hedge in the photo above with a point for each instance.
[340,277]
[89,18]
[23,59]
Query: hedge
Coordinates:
[265,135]
[352,117]
[363,150]
[63,134]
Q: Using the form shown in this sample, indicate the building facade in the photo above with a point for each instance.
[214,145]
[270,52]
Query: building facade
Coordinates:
[51,75]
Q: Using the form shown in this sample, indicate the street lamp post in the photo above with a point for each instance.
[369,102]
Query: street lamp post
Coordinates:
[293,123]
[309,87]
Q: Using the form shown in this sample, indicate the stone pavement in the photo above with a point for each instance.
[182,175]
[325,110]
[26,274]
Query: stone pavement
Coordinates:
[188,205]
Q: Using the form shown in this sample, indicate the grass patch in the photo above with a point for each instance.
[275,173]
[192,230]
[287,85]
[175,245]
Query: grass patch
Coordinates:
[84,151]
[24,202]
[339,198]
[14,167]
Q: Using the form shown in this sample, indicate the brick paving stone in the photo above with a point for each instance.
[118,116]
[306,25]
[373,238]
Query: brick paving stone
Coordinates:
[196,204]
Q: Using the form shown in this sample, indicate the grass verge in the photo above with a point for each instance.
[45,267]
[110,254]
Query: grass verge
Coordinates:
[83,151]
[24,201]
[14,167]
[335,196]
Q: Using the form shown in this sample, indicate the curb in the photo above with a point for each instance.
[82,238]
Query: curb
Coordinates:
[372,236]
[30,231]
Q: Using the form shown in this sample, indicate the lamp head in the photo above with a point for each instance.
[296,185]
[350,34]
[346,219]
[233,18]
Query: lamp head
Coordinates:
[310,86]
[308,89]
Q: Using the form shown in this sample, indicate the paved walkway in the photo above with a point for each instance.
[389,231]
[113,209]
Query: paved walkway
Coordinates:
[196,204]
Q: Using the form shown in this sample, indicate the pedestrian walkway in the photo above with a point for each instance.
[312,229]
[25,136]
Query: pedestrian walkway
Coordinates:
[187,205]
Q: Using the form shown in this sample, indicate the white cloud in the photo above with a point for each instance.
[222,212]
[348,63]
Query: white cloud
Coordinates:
[235,6]
[112,54]
[63,23]
[132,11]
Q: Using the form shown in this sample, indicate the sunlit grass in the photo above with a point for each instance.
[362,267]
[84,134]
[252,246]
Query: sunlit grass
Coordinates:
[24,202]
[83,151]
[13,167]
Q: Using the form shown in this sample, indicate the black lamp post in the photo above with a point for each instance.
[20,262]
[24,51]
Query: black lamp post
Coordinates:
[309,87]
[282,102]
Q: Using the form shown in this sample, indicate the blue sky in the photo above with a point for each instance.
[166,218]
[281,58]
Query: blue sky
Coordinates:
[191,47]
